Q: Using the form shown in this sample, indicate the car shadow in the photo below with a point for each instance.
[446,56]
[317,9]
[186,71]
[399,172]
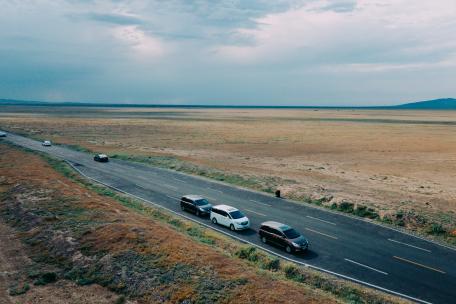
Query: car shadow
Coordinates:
[246,232]
[307,255]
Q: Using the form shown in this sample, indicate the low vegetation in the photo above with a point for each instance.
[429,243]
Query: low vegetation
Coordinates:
[82,232]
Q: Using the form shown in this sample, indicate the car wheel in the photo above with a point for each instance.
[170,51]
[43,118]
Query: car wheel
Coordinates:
[263,239]
[232,227]
[182,208]
[214,220]
[197,213]
[288,249]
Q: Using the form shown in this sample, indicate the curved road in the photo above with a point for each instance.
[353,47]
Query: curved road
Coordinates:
[353,248]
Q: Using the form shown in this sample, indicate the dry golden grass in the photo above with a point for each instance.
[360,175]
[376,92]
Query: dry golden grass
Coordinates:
[123,231]
[385,159]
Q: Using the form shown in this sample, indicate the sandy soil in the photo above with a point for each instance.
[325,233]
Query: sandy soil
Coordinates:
[385,159]
[13,260]
[32,188]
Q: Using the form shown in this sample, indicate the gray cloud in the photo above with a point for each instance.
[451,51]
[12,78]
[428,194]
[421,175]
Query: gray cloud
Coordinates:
[114,18]
[227,52]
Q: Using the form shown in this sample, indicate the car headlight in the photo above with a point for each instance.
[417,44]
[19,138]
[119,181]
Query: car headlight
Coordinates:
[295,244]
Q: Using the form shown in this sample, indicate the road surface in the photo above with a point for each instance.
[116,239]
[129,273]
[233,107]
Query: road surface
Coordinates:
[359,250]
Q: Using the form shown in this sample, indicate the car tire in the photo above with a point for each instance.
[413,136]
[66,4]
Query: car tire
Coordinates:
[214,220]
[232,227]
[197,213]
[263,239]
[182,208]
[288,249]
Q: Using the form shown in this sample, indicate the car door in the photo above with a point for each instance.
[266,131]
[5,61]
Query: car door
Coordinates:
[191,206]
[277,237]
[187,204]
[224,218]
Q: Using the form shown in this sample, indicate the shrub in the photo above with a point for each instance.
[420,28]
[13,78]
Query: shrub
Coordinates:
[46,278]
[271,264]
[19,289]
[291,271]
[363,211]
[346,207]
[248,253]
[436,229]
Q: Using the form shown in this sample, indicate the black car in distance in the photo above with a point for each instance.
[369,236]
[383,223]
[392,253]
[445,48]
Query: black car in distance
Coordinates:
[102,158]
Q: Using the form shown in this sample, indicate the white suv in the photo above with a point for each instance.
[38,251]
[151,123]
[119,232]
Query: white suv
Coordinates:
[230,217]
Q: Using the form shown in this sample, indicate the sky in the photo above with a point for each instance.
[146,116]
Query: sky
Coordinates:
[228,52]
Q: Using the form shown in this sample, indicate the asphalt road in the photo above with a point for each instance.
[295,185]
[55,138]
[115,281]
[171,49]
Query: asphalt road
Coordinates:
[359,250]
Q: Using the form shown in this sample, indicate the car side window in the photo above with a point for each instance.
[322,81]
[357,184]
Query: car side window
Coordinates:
[266,229]
[223,213]
[276,232]
[215,211]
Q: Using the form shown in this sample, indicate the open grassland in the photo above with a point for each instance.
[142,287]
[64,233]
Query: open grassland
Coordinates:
[70,241]
[396,166]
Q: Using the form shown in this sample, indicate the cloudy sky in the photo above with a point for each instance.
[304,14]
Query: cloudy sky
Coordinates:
[268,52]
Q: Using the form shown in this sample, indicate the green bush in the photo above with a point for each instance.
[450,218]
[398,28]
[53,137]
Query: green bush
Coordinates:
[46,278]
[19,289]
[291,271]
[248,253]
[436,229]
[346,207]
[363,211]
[272,264]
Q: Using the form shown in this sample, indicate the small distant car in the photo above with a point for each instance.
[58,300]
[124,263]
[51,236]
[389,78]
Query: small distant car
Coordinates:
[283,236]
[47,143]
[102,158]
[2,134]
[195,204]
[230,217]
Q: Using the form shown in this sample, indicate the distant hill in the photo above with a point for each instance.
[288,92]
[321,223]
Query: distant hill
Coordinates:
[435,104]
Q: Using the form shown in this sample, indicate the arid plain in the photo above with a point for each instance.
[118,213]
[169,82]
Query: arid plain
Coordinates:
[389,160]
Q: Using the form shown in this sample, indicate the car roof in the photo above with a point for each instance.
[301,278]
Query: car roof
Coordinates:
[193,197]
[276,225]
[102,155]
[225,208]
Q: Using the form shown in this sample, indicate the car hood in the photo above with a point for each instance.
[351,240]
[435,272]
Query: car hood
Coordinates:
[241,220]
[206,207]
[300,240]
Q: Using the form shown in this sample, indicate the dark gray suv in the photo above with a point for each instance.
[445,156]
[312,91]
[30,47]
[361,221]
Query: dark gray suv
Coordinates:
[283,236]
[195,204]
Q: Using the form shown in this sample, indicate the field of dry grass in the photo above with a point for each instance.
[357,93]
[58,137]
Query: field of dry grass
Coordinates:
[65,240]
[81,236]
[384,159]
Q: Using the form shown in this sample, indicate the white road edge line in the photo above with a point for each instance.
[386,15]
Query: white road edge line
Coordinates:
[216,190]
[391,240]
[169,186]
[172,197]
[255,245]
[402,231]
[318,232]
[255,212]
[368,267]
[179,180]
[260,203]
[319,219]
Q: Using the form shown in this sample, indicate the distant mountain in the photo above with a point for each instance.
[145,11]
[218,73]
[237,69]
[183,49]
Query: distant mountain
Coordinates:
[435,104]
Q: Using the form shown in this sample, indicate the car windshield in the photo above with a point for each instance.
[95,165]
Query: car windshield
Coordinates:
[236,215]
[291,233]
[201,202]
